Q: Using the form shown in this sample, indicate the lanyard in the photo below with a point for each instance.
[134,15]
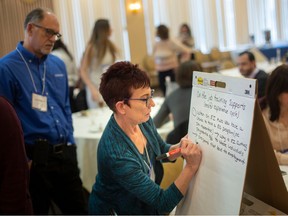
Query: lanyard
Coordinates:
[150,167]
[44,73]
[147,155]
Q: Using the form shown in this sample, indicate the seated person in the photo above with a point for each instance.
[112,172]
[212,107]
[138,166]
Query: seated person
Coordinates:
[127,151]
[248,69]
[276,112]
[178,102]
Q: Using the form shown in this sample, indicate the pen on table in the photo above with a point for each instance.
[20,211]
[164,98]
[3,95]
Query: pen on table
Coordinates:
[168,154]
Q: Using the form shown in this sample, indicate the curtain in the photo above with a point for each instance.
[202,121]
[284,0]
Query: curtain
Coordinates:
[77,20]
[226,24]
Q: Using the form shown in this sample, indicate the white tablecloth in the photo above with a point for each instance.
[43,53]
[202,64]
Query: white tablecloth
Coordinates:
[268,68]
[88,127]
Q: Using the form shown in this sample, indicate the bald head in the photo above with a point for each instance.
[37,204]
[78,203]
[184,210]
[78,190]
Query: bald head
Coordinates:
[41,31]
[36,16]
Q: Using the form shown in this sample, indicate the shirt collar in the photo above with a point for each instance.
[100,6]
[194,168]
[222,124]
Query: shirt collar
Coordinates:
[28,55]
[254,73]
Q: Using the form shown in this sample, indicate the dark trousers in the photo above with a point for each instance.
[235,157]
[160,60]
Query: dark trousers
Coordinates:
[161,78]
[77,102]
[58,180]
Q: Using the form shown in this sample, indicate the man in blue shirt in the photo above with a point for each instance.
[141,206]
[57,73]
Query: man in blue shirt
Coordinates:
[36,85]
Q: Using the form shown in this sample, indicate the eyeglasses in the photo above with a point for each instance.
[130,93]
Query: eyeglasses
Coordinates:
[146,100]
[49,32]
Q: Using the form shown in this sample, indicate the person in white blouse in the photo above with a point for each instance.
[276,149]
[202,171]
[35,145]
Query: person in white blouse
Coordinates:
[276,112]
[100,53]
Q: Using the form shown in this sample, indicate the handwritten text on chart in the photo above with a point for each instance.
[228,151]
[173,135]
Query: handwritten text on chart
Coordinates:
[222,133]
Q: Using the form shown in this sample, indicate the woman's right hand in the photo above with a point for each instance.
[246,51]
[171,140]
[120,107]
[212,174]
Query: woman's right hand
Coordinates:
[191,153]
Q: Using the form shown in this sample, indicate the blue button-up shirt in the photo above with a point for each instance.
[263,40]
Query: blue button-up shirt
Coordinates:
[16,84]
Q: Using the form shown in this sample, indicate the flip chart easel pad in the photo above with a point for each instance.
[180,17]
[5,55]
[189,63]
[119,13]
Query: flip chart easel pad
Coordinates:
[221,123]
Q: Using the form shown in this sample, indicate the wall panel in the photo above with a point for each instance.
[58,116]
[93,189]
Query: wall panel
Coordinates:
[12,15]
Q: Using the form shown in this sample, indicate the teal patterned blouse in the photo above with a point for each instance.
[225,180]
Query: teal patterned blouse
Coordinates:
[123,184]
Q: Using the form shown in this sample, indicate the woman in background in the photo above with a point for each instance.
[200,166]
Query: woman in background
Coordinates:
[99,54]
[276,112]
[185,36]
[178,102]
[165,53]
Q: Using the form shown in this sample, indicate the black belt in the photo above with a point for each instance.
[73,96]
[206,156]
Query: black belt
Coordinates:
[44,146]
[58,148]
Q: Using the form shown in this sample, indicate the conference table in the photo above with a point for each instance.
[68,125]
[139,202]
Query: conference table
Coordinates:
[88,128]
[270,50]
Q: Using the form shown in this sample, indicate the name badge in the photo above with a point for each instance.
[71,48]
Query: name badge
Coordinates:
[39,102]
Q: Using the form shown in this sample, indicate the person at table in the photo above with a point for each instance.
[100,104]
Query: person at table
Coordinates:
[125,183]
[178,102]
[35,83]
[248,68]
[14,172]
[276,112]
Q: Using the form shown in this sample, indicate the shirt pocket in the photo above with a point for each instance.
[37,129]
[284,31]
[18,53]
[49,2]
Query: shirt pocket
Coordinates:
[59,86]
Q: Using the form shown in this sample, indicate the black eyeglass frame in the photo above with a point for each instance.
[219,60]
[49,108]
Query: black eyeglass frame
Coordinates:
[49,32]
[143,99]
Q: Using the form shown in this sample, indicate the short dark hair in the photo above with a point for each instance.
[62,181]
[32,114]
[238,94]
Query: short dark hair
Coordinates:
[35,16]
[185,71]
[59,44]
[119,80]
[162,32]
[277,84]
[251,56]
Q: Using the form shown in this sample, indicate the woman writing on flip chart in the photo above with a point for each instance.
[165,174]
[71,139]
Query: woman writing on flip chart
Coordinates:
[127,151]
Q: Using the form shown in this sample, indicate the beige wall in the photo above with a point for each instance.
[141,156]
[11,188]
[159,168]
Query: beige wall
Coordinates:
[13,12]
[241,17]
[136,32]
[12,15]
